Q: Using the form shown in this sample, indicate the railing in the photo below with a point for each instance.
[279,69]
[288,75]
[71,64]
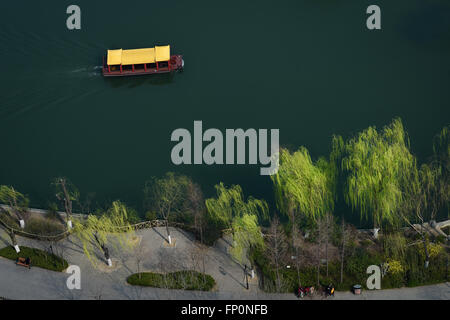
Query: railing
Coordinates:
[137,226]
[57,237]
[23,233]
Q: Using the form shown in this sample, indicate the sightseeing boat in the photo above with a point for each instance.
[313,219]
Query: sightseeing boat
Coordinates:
[132,62]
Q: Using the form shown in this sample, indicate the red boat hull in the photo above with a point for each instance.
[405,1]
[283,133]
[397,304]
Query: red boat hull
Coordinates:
[175,63]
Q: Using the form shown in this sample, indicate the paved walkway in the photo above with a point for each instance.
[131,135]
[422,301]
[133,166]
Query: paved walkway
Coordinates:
[106,283]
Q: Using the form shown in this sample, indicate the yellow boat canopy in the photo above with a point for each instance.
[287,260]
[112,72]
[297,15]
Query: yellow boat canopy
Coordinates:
[138,56]
[162,53]
[114,57]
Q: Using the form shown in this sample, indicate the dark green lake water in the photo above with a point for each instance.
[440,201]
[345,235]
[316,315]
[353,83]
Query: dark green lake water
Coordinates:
[310,68]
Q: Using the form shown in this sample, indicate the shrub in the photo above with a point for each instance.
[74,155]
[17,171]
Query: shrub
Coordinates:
[356,265]
[132,216]
[52,212]
[395,267]
[395,276]
[38,258]
[150,215]
[417,274]
[43,227]
[393,281]
[187,280]
[441,239]
[394,246]
[434,249]
[366,243]
[406,266]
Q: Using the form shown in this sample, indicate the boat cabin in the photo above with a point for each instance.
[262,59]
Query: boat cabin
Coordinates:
[121,62]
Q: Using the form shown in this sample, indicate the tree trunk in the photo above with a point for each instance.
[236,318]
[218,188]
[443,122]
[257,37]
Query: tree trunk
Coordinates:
[106,253]
[343,251]
[199,225]
[13,238]
[277,265]
[318,272]
[375,232]
[67,202]
[293,228]
[168,232]
[326,243]
[15,208]
[318,257]
[298,266]
[278,279]
[104,249]
[203,267]
[246,276]
[201,231]
[424,240]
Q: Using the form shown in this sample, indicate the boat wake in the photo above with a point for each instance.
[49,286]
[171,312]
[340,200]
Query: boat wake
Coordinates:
[89,71]
[50,90]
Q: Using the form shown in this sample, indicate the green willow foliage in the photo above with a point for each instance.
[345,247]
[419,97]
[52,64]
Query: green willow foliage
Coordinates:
[427,190]
[303,185]
[377,165]
[441,146]
[230,203]
[394,246]
[246,234]
[441,149]
[110,228]
[12,197]
[229,210]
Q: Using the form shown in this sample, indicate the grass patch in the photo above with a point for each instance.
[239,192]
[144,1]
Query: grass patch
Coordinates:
[186,280]
[38,258]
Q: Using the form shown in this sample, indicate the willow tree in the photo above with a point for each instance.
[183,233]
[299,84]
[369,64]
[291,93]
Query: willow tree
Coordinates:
[101,232]
[377,165]
[440,195]
[427,190]
[17,202]
[243,218]
[12,235]
[230,203]
[247,235]
[303,186]
[67,193]
[441,148]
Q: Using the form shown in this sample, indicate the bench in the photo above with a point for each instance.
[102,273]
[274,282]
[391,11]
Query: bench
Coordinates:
[24,262]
